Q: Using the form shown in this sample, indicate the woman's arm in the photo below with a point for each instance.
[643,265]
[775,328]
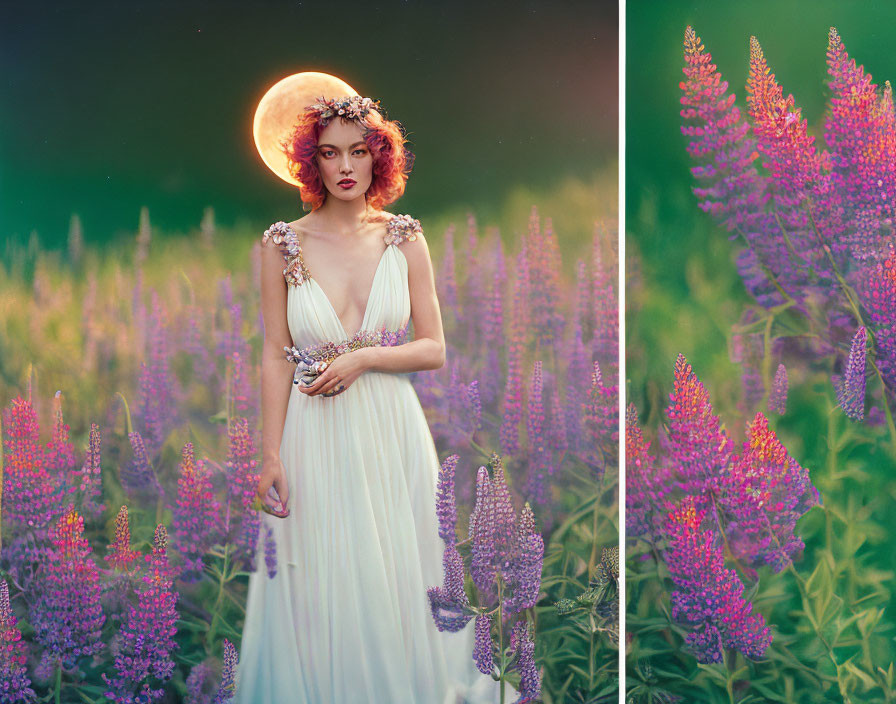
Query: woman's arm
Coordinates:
[276,370]
[427,351]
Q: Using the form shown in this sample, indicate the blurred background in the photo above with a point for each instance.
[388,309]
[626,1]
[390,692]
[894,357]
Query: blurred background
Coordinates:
[684,293]
[108,107]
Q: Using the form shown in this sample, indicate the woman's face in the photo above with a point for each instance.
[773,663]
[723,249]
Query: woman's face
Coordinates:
[342,154]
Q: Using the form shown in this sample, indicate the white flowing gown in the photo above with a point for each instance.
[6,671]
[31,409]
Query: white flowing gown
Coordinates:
[346,618]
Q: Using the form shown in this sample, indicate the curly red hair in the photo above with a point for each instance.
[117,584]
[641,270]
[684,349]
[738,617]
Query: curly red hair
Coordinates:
[392,161]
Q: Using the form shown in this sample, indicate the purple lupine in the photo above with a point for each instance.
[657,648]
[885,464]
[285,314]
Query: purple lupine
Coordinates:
[777,399]
[195,344]
[512,407]
[138,476]
[524,576]
[699,449]
[446,507]
[91,477]
[543,282]
[851,389]
[708,595]
[880,299]
[578,371]
[724,152]
[482,652]
[67,614]
[200,675]
[500,511]
[556,428]
[523,647]
[156,408]
[447,614]
[15,685]
[539,454]
[482,532]
[146,640]
[195,514]
[601,420]
[453,568]
[447,279]
[119,554]
[29,491]
[270,552]
[243,474]
[473,406]
[228,675]
[456,400]
[59,454]
[647,483]
[604,281]
[242,389]
[765,493]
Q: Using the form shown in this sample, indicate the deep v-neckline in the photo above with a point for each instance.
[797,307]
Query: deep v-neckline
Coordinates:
[376,273]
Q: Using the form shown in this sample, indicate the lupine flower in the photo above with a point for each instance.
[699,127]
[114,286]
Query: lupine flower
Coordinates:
[539,452]
[473,406]
[851,390]
[270,552]
[605,333]
[556,428]
[708,595]
[29,491]
[577,373]
[228,674]
[59,454]
[765,493]
[453,566]
[199,676]
[647,483]
[448,614]
[15,685]
[601,420]
[67,614]
[156,408]
[522,645]
[512,409]
[446,508]
[777,399]
[146,641]
[120,556]
[482,652]
[243,474]
[195,514]
[138,476]
[699,449]
[523,579]
[880,297]
[481,530]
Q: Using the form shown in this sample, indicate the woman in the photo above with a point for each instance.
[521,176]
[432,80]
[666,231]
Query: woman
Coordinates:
[349,465]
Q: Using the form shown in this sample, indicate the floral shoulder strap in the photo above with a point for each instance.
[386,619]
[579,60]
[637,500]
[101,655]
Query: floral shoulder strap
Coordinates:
[288,242]
[401,228]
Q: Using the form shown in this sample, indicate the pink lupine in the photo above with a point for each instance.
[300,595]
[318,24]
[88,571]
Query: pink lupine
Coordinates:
[66,613]
[709,596]
[765,494]
[15,685]
[119,555]
[30,499]
[647,483]
[195,515]
[699,449]
[601,420]
[144,646]
[243,473]
[59,455]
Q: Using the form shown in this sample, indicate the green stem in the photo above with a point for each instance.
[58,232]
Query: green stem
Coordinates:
[221,581]
[730,655]
[501,632]
[58,689]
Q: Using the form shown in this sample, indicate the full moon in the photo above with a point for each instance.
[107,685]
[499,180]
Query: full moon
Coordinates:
[280,108]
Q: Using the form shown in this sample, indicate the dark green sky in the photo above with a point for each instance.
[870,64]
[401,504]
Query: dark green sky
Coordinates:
[110,106]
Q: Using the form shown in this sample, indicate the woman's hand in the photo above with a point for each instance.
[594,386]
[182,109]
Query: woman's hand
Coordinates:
[273,475]
[342,371]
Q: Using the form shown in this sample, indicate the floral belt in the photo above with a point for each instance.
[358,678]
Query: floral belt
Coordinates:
[312,360]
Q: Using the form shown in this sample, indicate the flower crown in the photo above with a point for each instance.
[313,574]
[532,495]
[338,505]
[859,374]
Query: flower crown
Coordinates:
[353,107]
